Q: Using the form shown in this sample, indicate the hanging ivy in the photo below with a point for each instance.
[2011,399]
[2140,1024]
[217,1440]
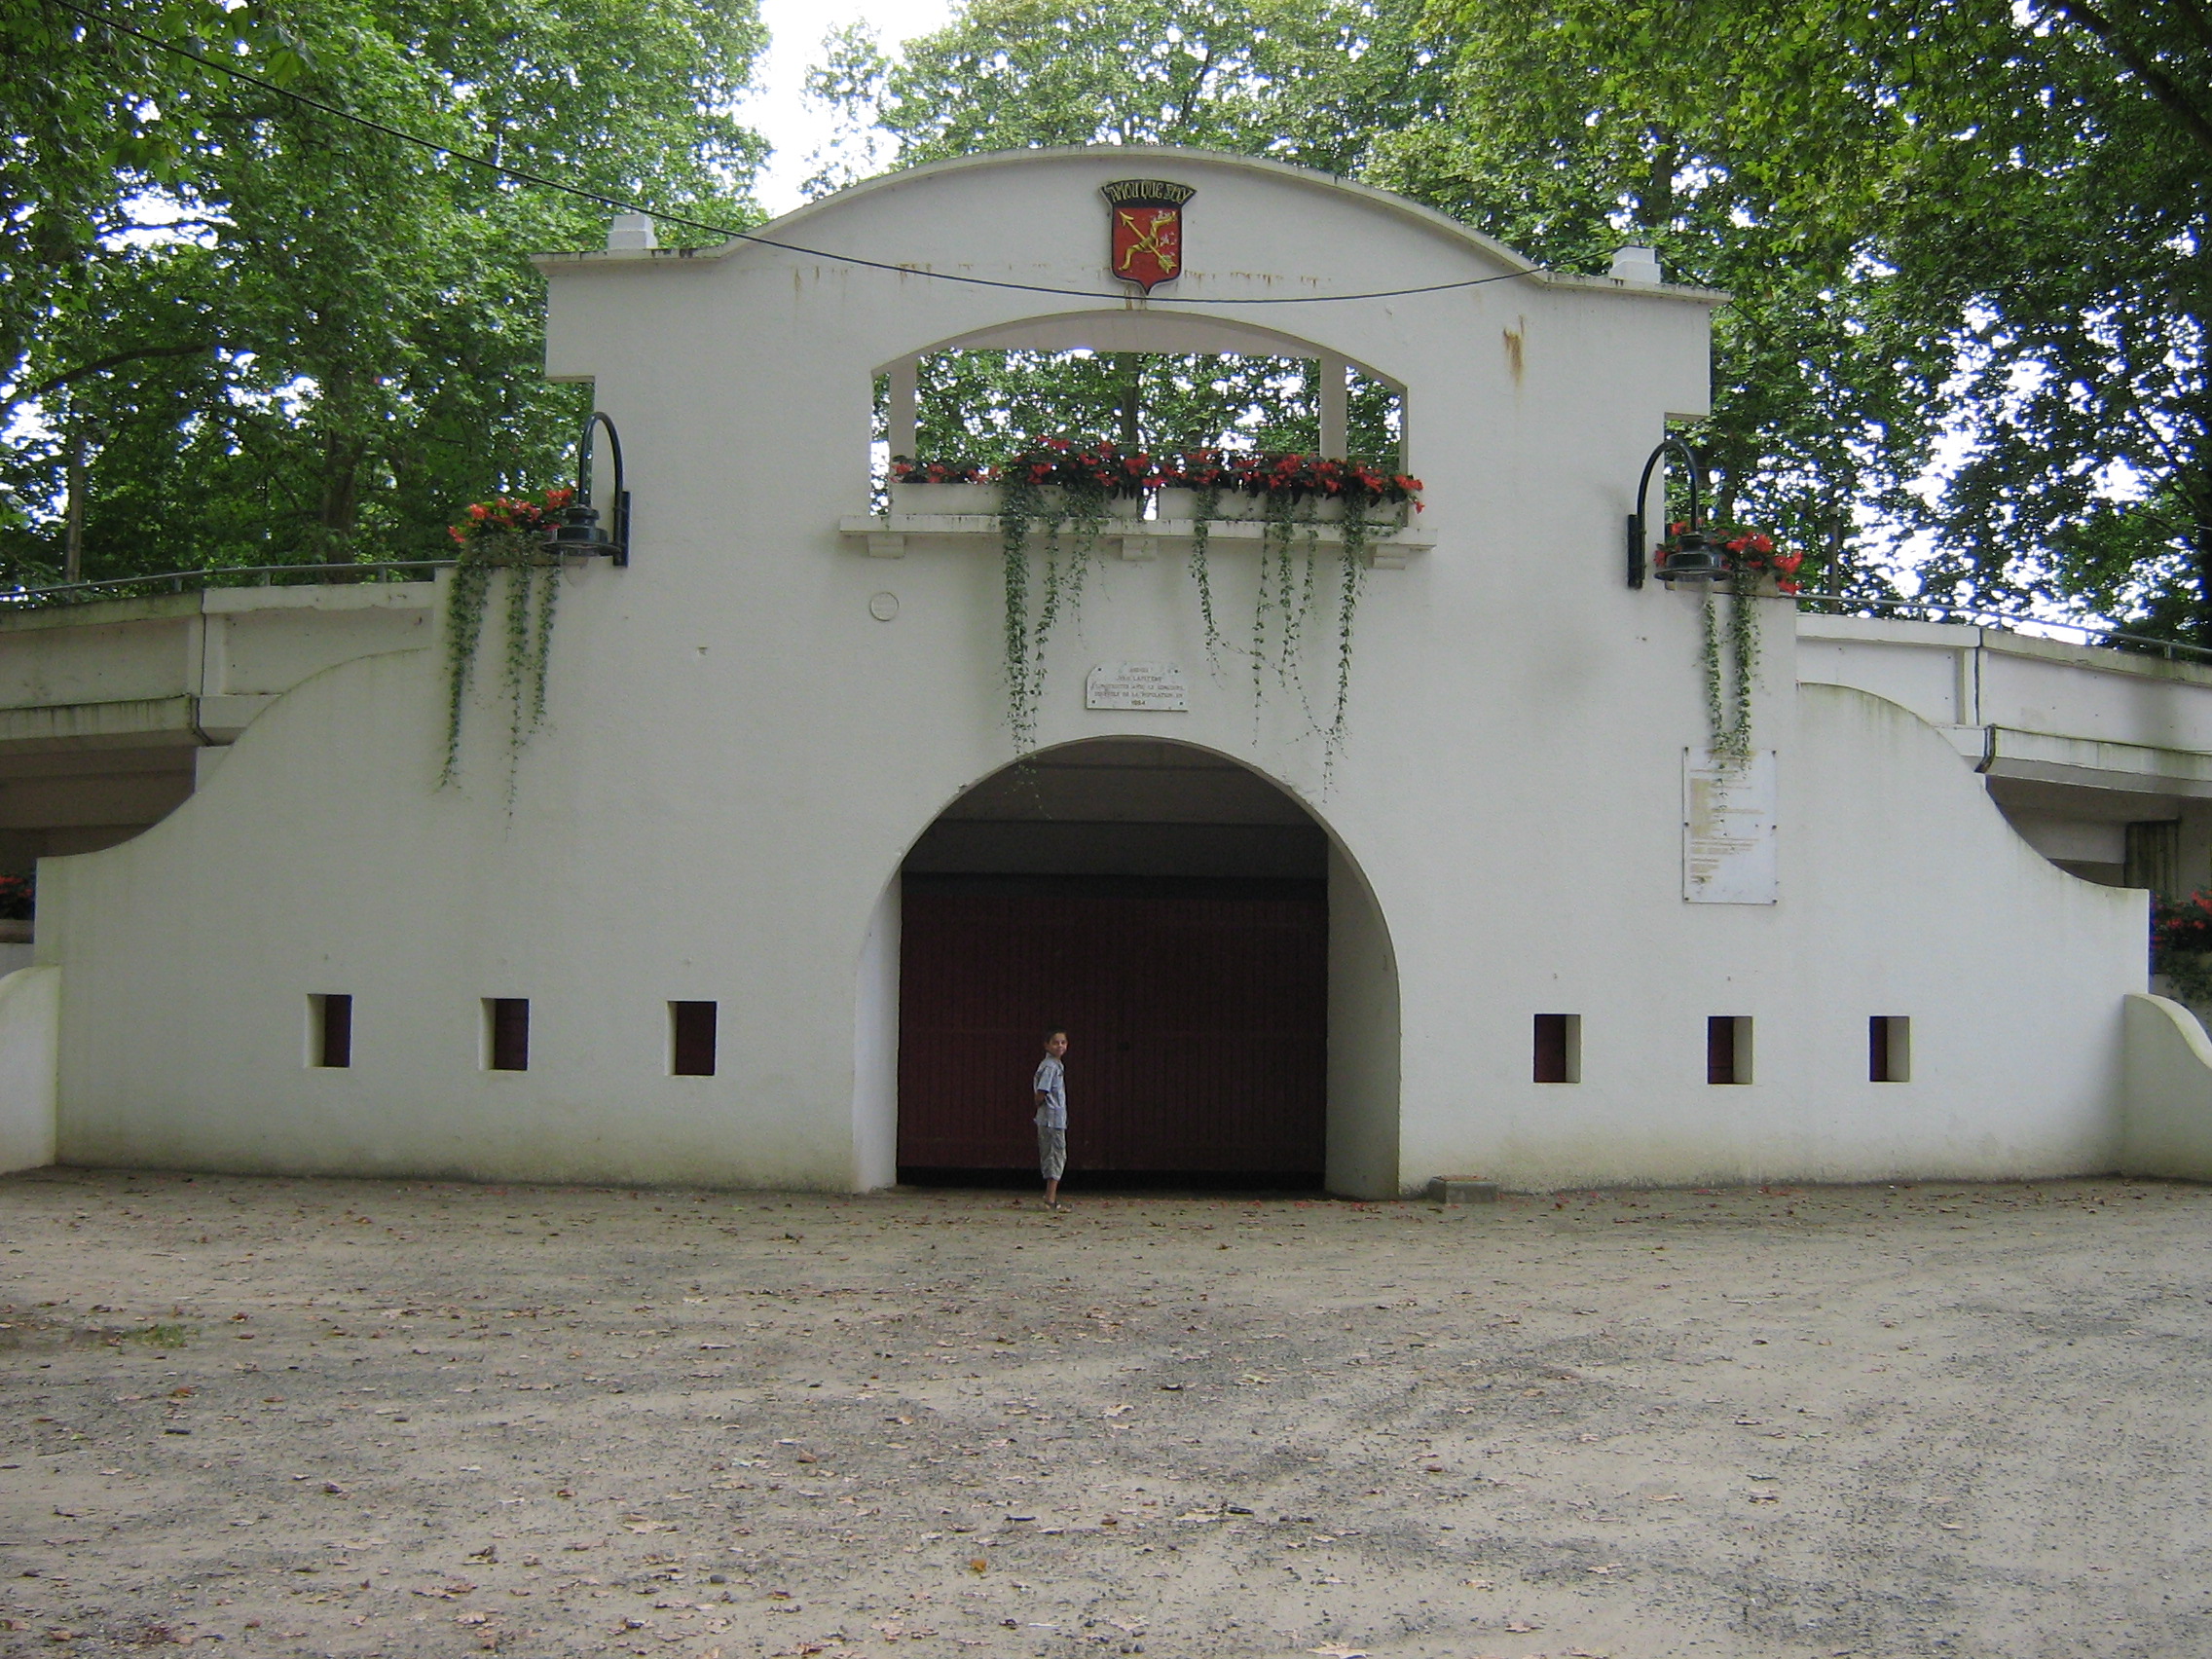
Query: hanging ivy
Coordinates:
[505,536]
[1205,503]
[1017,509]
[1274,545]
[1058,484]
[1728,688]
[1355,578]
[1755,567]
[1049,486]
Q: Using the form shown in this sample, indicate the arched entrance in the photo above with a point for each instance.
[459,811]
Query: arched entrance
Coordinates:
[1175,912]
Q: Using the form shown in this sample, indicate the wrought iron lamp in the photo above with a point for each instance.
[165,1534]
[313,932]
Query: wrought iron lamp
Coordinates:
[580,532]
[1693,556]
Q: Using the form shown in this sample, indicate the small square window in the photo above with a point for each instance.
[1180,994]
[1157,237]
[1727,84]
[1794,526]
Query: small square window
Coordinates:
[1888,1049]
[692,1039]
[506,1030]
[1559,1048]
[330,1031]
[1728,1048]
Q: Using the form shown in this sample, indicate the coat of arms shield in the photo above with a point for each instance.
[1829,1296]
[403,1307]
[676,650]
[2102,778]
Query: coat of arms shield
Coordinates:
[1147,246]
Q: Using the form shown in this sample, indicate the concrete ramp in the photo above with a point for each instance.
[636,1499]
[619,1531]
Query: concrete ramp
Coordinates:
[31,1030]
[2167,1127]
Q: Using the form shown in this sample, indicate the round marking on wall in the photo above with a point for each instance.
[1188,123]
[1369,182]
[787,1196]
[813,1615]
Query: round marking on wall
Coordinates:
[883,606]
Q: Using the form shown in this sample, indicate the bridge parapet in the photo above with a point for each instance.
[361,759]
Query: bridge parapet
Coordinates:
[111,711]
[2101,759]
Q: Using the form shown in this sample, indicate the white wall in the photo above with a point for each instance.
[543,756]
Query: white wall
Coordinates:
[2170,1092]
[739,756]
[875,1048]
[1364,1041]
[30,1003]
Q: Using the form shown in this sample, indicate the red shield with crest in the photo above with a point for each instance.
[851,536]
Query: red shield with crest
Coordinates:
[1147,243]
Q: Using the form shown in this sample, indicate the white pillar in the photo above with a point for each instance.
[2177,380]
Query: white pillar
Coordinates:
[899,426]
[631,233]
[1336,405]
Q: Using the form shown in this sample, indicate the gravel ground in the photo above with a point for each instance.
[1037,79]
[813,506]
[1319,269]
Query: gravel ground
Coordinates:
[368,1417]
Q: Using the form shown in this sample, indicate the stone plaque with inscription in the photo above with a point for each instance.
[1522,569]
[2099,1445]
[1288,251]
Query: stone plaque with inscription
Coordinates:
[1154,687]
[1728,828]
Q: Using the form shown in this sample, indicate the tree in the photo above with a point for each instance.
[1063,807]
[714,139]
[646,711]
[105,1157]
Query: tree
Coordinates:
[1966,239]
[349,332]
[1292,79]
[1980,223]
[1500,121]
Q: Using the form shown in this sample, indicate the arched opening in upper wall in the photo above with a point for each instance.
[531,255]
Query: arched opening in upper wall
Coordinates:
[1160,382]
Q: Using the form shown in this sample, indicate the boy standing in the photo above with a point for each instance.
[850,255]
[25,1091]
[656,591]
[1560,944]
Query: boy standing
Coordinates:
[1051,1089]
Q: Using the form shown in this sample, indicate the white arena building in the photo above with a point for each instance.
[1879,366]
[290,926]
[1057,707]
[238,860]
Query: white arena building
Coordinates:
[768,904]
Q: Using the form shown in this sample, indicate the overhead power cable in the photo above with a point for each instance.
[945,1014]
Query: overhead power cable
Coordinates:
[624,205]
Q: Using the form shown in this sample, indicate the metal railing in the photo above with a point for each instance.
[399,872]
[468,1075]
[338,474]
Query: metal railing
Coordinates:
[386,571]
[223,575]
[1938,610]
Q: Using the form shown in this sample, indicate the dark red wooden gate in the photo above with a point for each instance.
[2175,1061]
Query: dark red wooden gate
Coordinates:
[1196,1016]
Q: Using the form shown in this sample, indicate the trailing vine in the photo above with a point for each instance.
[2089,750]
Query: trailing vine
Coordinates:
[1205,503]
[1274,549]
[1056,486]
[1294,615]
[1348,606]
[1751,561]
[1018,506]
[505,536]
[1728,687]
[1744,660]
[1715,687]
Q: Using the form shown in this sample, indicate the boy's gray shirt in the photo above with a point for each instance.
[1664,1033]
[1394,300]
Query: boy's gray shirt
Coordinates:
[1052,1083]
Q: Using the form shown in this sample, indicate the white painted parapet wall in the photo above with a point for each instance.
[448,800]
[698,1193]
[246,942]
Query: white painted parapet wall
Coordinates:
[752,723]
[2018,706]
[30,1028]
[2168,1114]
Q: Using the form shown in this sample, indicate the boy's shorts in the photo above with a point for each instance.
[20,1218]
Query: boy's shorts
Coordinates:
[1052,1152]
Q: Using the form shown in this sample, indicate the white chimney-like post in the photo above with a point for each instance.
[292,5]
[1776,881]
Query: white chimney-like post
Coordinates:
[631,231]
[1336,407]
[1636,265]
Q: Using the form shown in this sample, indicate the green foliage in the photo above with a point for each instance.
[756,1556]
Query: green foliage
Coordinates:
[1303,82]
[341,338]
[1976,229]
[983,405]
[1728,690]
[2181,944]
[532,573]
[160,1335]
[1061,483]
[1041,489]
[1985,220]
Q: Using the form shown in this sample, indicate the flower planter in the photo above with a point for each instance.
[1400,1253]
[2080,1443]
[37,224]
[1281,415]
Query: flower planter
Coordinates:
[945,498]
[1054,499]
[1116,507]
[987,500]
[1230,507]
[1760,584]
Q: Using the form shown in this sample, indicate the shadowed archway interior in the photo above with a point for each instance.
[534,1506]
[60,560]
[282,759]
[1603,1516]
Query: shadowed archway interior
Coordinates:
[1167,907]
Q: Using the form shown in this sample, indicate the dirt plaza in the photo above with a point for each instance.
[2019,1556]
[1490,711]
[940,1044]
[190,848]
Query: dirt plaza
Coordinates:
[352,1418]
